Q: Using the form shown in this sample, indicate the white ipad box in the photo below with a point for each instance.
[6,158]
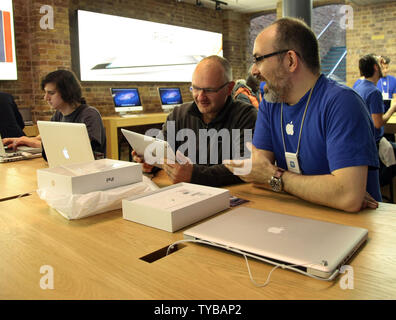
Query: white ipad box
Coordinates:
[81,178]
[176,206]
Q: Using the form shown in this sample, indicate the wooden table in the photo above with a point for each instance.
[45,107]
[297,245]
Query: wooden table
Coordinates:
[112,124]
[390,126]
[99,257]
[19,177]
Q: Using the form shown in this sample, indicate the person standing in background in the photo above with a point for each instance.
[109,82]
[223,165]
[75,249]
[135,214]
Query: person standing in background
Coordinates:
[387,84]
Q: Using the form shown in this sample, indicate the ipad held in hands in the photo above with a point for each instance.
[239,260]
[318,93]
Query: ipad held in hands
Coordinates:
[153,150]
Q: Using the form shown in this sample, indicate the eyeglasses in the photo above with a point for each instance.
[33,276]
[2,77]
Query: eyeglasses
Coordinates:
[260,58]
[195,89]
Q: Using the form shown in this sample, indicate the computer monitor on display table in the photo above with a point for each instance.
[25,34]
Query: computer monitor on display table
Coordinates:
[170,98]
[126,99]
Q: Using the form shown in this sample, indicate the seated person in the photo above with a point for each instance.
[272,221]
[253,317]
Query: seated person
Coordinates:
[63,93]
[215,114]
[371,70]
[11,122]
[248,90]
[361,78]
[314,137]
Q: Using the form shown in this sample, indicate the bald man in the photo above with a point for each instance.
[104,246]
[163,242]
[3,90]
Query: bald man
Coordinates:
[314,137]
[208,130]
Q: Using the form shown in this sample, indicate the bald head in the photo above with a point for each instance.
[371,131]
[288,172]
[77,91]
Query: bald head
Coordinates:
[211,86]
[218,65]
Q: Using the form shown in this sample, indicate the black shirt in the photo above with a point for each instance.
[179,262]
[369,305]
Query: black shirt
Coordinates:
[11,122]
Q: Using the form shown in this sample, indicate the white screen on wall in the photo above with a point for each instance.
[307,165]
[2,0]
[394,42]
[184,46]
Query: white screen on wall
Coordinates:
[114,48]
[8,66]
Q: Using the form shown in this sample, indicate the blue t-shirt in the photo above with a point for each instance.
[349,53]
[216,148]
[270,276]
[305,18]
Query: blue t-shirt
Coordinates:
[373,98]
[357,82]
[387,85]
[337,133]
[262,84]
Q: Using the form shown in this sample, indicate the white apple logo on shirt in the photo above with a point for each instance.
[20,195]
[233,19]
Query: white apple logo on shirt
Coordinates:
[290,128]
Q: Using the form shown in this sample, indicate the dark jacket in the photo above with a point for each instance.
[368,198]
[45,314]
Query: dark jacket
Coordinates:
[11,122]
[214,142]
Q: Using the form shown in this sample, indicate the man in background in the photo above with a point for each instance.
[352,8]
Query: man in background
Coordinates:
[387,83]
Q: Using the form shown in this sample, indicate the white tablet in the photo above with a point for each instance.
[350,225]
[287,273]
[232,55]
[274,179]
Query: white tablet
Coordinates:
[153,150]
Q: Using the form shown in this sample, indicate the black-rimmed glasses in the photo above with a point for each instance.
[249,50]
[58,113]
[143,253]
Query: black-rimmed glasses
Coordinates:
[207,90]
[260,58]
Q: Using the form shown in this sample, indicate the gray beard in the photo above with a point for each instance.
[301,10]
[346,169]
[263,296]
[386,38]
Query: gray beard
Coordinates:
[271,96]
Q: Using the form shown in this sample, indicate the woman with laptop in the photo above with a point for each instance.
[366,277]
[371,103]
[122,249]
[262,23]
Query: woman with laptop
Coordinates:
[63,93]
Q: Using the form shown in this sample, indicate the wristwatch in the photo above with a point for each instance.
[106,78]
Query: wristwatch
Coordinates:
[276,180]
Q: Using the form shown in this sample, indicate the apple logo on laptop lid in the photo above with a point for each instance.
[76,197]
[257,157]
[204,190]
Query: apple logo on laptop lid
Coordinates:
[65,153]
[276,230]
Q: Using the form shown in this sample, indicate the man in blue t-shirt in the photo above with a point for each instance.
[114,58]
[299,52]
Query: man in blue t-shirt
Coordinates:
[313,137]
[387,83]
[371,71]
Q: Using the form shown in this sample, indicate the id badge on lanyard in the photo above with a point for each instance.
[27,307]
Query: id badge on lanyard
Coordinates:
[385,95]
[292,158]
[292,162]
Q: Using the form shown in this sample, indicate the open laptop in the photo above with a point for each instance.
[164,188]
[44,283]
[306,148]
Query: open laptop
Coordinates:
[65,143]
[22,153]
[318,248]
[170,98]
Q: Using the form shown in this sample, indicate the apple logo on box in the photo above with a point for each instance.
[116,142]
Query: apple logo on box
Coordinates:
[276,230]
[66,153]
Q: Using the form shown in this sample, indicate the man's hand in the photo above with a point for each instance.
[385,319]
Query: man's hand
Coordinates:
[181,170]
[258,168]
[33,142]
[146,167]
[369,202]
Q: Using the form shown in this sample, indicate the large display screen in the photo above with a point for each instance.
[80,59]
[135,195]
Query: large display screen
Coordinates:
[8,66]
[113,48]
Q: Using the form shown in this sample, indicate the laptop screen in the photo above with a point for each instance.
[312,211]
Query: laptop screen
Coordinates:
[126,99]
[170,96]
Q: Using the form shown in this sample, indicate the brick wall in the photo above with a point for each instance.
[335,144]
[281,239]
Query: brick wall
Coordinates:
[373,32]
[40,51]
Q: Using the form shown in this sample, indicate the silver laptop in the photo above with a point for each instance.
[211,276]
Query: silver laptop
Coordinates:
[65,143]
[318,248]
[22,153]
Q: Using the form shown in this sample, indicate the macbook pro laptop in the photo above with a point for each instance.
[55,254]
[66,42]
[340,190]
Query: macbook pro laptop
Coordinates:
[315,247]
[22,153]
[65,143]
